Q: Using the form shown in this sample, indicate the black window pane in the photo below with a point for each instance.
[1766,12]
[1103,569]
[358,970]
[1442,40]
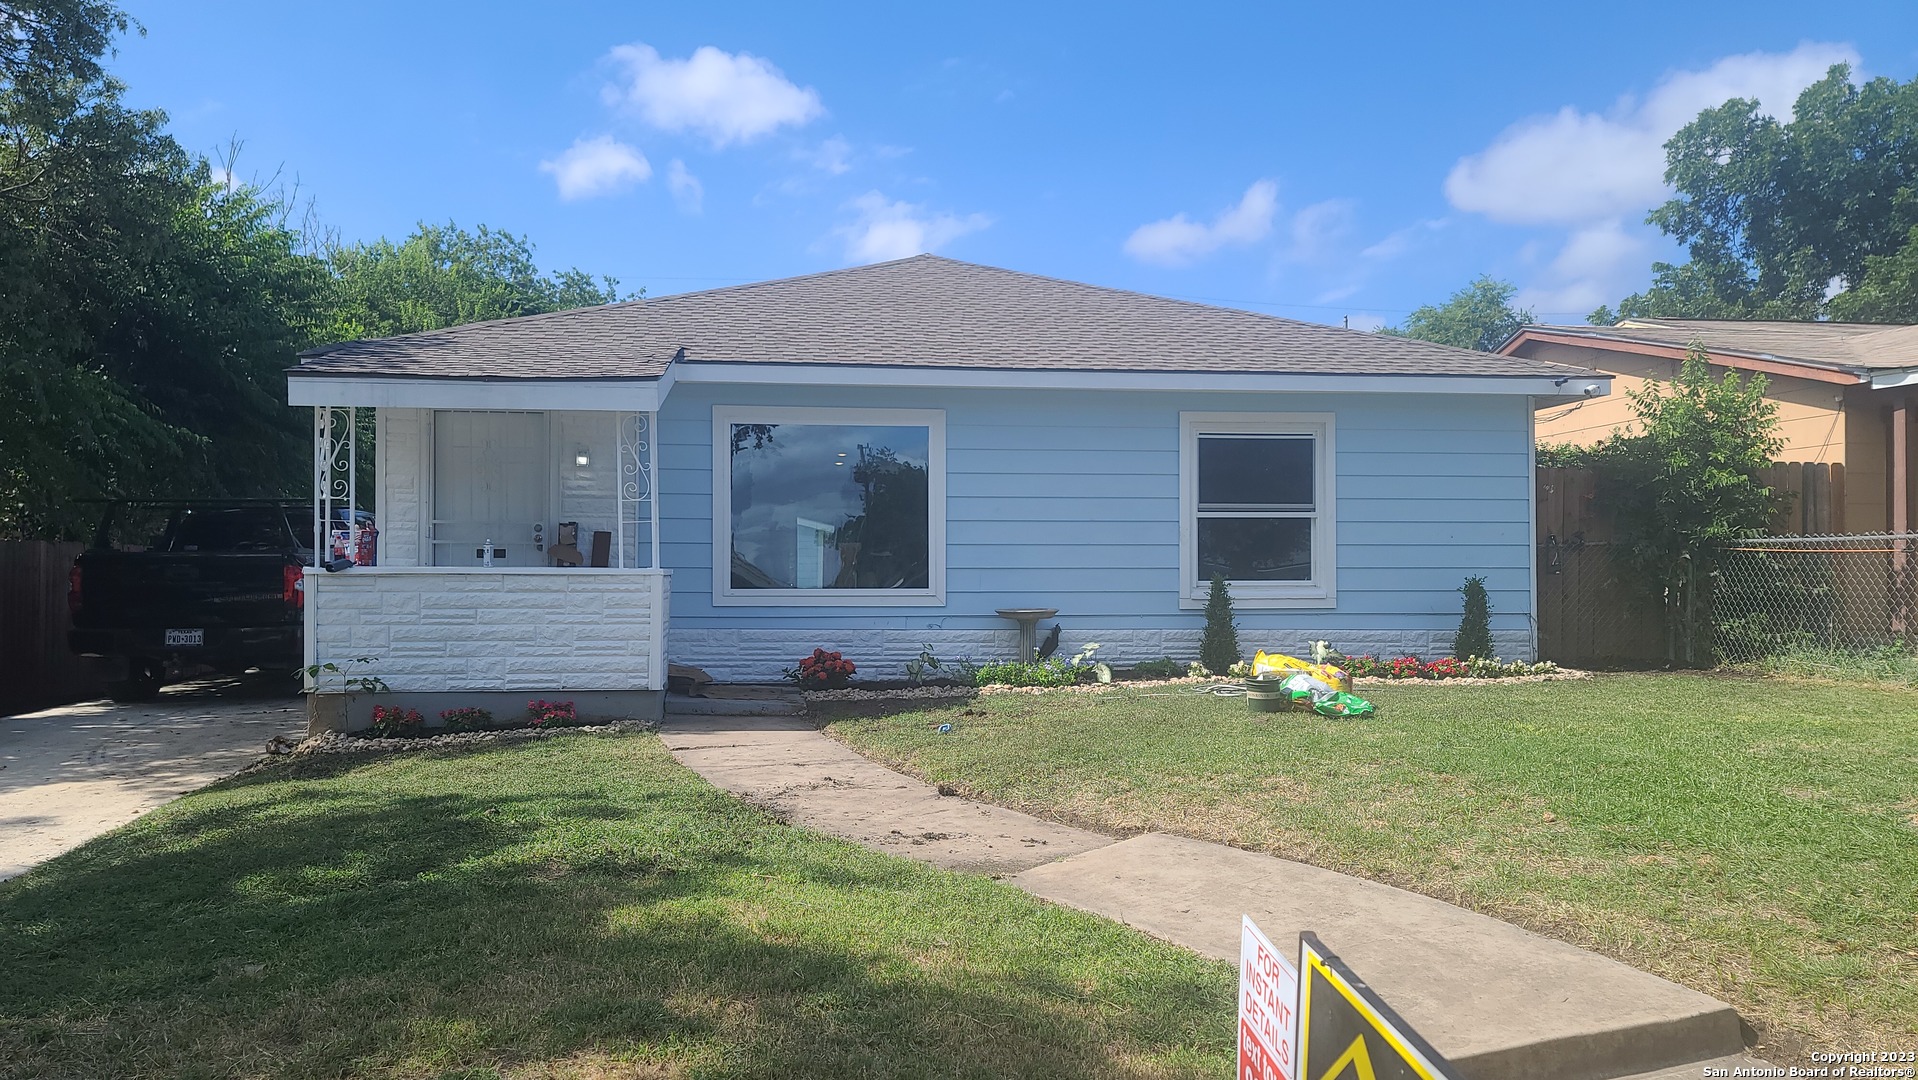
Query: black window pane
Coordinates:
[1264,471]
[819,506]
[1255,549]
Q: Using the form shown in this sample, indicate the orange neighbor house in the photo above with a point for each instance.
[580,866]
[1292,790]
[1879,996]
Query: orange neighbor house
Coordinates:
[1845,393]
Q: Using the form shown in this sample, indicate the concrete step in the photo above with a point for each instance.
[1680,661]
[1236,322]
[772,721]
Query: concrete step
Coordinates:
[1499,1002]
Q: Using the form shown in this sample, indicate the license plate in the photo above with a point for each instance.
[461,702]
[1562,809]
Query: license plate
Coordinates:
[185,637]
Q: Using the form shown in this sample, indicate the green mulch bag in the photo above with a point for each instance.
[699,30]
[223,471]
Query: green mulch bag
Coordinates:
[1344,704]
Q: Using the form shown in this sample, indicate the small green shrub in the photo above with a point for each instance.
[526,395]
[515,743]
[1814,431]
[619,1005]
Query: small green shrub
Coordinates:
[1475,629]
[1048,672]
[1163,668]
[468,718]
[1219,647]
[1053,672]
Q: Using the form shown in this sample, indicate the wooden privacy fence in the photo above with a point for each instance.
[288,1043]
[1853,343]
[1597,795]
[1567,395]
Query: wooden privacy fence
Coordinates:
[1588,616]
[35,668]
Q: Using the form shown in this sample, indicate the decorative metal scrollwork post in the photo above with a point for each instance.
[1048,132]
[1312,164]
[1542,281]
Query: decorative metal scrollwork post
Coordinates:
[336,460]
[636,476]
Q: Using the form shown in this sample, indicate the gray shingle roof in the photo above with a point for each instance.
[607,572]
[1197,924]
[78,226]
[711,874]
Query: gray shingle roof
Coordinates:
[1867,346]
[924,311]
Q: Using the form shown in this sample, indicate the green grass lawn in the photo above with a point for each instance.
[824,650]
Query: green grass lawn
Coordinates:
[1756,839]
[573,907]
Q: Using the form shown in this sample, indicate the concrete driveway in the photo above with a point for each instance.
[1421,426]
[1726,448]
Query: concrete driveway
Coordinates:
[71,773]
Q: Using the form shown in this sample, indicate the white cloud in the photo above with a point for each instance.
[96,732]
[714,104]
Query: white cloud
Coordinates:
[687,191]
[1177,240]
[1401,241]
[599,166]
[833,156]
[1572,167]
[1318,229]
[727,97]
[1586,272]
[885,229]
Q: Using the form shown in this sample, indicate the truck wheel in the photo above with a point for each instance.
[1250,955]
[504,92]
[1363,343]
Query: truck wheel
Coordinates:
[141,684]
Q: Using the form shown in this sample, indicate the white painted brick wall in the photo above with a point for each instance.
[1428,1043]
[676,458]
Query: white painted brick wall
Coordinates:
[760,655]
[535,631]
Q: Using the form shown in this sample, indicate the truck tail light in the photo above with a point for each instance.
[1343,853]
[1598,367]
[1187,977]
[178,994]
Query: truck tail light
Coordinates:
[292,585]
[73,590]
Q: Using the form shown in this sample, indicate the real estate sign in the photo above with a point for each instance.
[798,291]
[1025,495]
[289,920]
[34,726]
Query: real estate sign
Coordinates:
[1347,1033]
[1268,997]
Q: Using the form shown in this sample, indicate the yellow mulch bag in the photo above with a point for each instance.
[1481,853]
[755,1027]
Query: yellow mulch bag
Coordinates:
[1280,664]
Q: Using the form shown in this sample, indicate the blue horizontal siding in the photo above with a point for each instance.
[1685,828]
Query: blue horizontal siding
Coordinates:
[1071,500]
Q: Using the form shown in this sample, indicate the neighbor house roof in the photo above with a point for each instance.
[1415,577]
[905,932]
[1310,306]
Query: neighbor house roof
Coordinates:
[924,311]
[1857,349]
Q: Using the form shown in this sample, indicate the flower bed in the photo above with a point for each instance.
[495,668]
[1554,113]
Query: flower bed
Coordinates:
[1411,667]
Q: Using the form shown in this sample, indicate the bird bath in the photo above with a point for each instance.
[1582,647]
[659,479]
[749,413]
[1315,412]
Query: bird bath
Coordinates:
[1028,619]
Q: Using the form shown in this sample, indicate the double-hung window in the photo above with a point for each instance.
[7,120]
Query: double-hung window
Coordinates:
[829,506]
[1256,508]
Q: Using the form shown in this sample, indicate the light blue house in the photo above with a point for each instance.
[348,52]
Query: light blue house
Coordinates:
[878,459]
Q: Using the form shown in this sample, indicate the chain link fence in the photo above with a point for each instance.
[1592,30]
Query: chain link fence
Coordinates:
[1784,594]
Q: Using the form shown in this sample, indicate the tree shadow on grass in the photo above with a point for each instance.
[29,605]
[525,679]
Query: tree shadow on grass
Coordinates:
[478,913]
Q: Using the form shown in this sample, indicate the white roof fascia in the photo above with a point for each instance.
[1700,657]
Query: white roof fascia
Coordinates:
[1891,380]
[556,395]
[762,373]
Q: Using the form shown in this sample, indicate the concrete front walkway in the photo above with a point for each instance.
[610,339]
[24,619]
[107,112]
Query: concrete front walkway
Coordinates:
[71,773]
[1501,1003]
[787,766]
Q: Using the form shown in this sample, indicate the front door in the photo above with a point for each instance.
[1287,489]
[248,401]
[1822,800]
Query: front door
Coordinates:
[490,476]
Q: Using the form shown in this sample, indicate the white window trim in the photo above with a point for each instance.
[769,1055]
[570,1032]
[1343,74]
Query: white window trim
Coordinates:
[1321,591]
[933,420]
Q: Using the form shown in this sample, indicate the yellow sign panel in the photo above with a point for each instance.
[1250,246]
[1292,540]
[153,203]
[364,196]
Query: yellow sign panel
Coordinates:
[1347,1033]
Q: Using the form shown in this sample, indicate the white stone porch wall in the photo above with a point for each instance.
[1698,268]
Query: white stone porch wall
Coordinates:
[756,655]
[461,628]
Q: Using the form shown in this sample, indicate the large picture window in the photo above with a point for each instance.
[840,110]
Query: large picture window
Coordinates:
[828,506]
[1256,508]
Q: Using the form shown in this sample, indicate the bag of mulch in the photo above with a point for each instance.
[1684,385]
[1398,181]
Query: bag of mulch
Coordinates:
[1305,690]
[1340,703]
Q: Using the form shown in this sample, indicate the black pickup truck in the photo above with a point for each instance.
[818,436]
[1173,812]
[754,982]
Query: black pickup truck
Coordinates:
[221,588]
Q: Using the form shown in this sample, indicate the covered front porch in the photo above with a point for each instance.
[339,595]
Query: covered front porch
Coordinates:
[510,554]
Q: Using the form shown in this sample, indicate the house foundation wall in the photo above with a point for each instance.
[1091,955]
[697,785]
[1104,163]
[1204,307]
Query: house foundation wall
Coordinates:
[354,712]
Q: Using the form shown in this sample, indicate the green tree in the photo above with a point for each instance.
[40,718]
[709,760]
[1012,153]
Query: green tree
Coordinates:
[443,275]
[145,311]
[1889,291]
[1776,216]
[1686,482]
[1479,316]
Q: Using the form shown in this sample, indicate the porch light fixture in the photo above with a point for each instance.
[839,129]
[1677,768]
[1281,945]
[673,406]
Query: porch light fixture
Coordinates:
[580,459]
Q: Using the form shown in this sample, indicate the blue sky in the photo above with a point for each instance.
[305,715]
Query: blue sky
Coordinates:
[1318,161]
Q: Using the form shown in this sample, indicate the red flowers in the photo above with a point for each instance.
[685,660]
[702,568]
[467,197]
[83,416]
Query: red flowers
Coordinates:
[543,713]
[393,720]
[822,669]
[1404,667]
